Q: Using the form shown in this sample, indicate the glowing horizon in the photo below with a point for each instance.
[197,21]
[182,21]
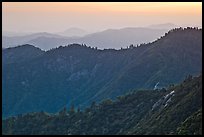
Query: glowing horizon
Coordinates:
[58,16]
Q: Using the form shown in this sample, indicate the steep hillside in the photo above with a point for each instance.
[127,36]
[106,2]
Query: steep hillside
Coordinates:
[192,125]
[175,110]
[77,74]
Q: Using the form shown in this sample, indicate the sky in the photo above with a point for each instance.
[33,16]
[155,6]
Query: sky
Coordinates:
[96,16]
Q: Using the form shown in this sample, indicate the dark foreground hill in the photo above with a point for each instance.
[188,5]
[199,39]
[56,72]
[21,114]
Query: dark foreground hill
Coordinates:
[34,80]
[175,110]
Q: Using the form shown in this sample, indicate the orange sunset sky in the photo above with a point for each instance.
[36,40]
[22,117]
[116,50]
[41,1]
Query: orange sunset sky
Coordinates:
[94,16]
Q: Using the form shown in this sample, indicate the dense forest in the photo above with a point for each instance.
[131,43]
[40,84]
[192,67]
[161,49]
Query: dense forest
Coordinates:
[76,74]
[176,109]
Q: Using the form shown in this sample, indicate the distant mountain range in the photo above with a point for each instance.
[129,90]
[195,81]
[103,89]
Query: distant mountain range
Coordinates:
[176,110]
[77,32]
[19,40]
[101,39]
[111,38]
[14,34]
[71,32]
[35,80]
